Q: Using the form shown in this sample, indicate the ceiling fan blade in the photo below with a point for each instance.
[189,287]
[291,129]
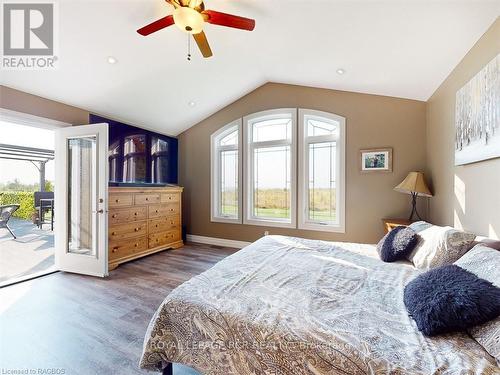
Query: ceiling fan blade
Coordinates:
[157,25]
[202,42]
[229,20]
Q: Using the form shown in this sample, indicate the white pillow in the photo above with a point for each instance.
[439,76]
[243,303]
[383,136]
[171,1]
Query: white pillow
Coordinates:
[439,246]
[484,262]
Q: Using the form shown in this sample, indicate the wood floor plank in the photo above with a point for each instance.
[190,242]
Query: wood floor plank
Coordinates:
[87,325]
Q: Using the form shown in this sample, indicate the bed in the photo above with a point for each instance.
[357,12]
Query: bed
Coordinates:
[289,306]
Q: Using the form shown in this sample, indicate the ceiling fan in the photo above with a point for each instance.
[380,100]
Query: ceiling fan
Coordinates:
[190,16]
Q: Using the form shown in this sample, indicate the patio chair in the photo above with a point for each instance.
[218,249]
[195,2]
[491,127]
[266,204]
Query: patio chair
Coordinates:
[5,214]
[44,201]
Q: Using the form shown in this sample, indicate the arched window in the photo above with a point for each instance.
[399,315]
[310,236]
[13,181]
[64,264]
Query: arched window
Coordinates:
[321,171]
[293,171]
[270,154]
[226,174]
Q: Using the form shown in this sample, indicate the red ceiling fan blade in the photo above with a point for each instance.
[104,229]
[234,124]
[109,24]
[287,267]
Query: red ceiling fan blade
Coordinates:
[229,20]
[157,25]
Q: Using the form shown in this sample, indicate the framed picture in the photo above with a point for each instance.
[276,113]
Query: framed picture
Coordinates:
[376,160]
[477,116]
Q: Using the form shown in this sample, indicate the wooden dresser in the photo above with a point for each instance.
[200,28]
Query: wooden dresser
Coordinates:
[143,221]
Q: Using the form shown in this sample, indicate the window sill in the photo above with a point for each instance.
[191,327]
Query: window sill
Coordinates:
[322,228]
[269,223]
[225,220]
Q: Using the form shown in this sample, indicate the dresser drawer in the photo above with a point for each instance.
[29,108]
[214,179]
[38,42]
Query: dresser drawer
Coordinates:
[128,230]
[159,210]
[118,200]
[164,224]
[170,198]
[145,198]
[125,248]
[164,238]
[126,215]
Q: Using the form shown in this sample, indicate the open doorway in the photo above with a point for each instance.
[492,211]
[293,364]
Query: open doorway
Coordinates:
[27,176]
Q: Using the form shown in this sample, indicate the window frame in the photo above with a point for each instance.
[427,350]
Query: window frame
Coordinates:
[303,171]
[248,148]
[215,171]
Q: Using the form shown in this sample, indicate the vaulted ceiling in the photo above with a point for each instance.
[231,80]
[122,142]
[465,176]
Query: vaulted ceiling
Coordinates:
[397,48]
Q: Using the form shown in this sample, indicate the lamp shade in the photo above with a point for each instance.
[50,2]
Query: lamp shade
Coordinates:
[414,183]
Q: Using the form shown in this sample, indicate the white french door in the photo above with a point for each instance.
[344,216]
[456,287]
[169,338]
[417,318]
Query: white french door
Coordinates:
[81,194]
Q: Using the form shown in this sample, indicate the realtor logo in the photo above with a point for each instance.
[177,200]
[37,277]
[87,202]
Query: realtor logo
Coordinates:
[28,35]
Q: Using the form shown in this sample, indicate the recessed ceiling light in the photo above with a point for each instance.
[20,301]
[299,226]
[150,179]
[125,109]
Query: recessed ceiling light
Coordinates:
[112,60]
[192,103]
[340,71]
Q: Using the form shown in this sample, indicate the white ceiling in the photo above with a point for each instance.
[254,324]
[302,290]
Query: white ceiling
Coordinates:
[398,48]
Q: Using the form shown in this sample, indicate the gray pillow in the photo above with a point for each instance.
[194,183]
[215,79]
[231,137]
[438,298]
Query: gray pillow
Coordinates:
[484,262]
[439,246]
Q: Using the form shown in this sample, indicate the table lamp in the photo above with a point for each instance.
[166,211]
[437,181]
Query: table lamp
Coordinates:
[415,185]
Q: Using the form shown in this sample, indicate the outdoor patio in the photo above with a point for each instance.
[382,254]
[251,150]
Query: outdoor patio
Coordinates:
[31,253]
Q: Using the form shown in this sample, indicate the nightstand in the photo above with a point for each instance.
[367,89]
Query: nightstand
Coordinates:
[390,224]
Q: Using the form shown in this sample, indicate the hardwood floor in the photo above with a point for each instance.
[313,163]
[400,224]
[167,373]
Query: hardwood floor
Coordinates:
[86,325]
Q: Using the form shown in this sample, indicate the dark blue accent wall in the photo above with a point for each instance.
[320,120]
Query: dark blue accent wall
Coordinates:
[159,166]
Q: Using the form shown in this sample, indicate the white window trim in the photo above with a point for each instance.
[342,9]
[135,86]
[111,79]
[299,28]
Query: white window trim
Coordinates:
[215,173]
[248,147]
[303,140]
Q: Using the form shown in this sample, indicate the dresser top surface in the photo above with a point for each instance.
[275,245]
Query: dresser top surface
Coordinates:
[145,189]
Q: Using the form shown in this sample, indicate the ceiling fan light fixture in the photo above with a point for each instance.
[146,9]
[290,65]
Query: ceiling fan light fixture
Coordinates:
[188,20]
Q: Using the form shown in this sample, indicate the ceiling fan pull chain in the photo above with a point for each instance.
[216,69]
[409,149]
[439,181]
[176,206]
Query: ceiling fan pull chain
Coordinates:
[189,47]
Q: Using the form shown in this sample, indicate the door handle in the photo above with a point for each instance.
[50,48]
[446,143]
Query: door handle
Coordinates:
[101,211]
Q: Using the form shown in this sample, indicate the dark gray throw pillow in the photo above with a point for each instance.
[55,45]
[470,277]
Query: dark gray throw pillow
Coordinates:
[450,299]
[397,244]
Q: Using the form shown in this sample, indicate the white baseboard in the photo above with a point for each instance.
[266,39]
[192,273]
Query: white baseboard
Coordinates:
[217,241]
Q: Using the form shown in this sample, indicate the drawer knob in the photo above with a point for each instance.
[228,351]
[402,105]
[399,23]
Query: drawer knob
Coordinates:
[113,216]
[156,225]
[115,249]
[136,229]
[113,233]
[135,213]
[157,240]
[169,198]
[136,245]
[147,198]
[156,211]
[117,200]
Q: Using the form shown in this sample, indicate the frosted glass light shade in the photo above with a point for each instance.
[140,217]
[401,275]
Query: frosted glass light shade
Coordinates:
[188,20]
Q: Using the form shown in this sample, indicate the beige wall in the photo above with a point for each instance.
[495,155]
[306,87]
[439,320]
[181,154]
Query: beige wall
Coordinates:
[371,121]
[467,196]
[20,101]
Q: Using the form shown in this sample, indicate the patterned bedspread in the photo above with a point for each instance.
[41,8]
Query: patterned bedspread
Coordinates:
[287,306]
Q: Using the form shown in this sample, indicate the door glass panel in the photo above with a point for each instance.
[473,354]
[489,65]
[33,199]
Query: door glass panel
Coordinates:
[322,182]
[81,195]
[272,185]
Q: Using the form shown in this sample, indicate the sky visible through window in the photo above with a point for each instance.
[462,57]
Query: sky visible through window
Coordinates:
[20,135]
